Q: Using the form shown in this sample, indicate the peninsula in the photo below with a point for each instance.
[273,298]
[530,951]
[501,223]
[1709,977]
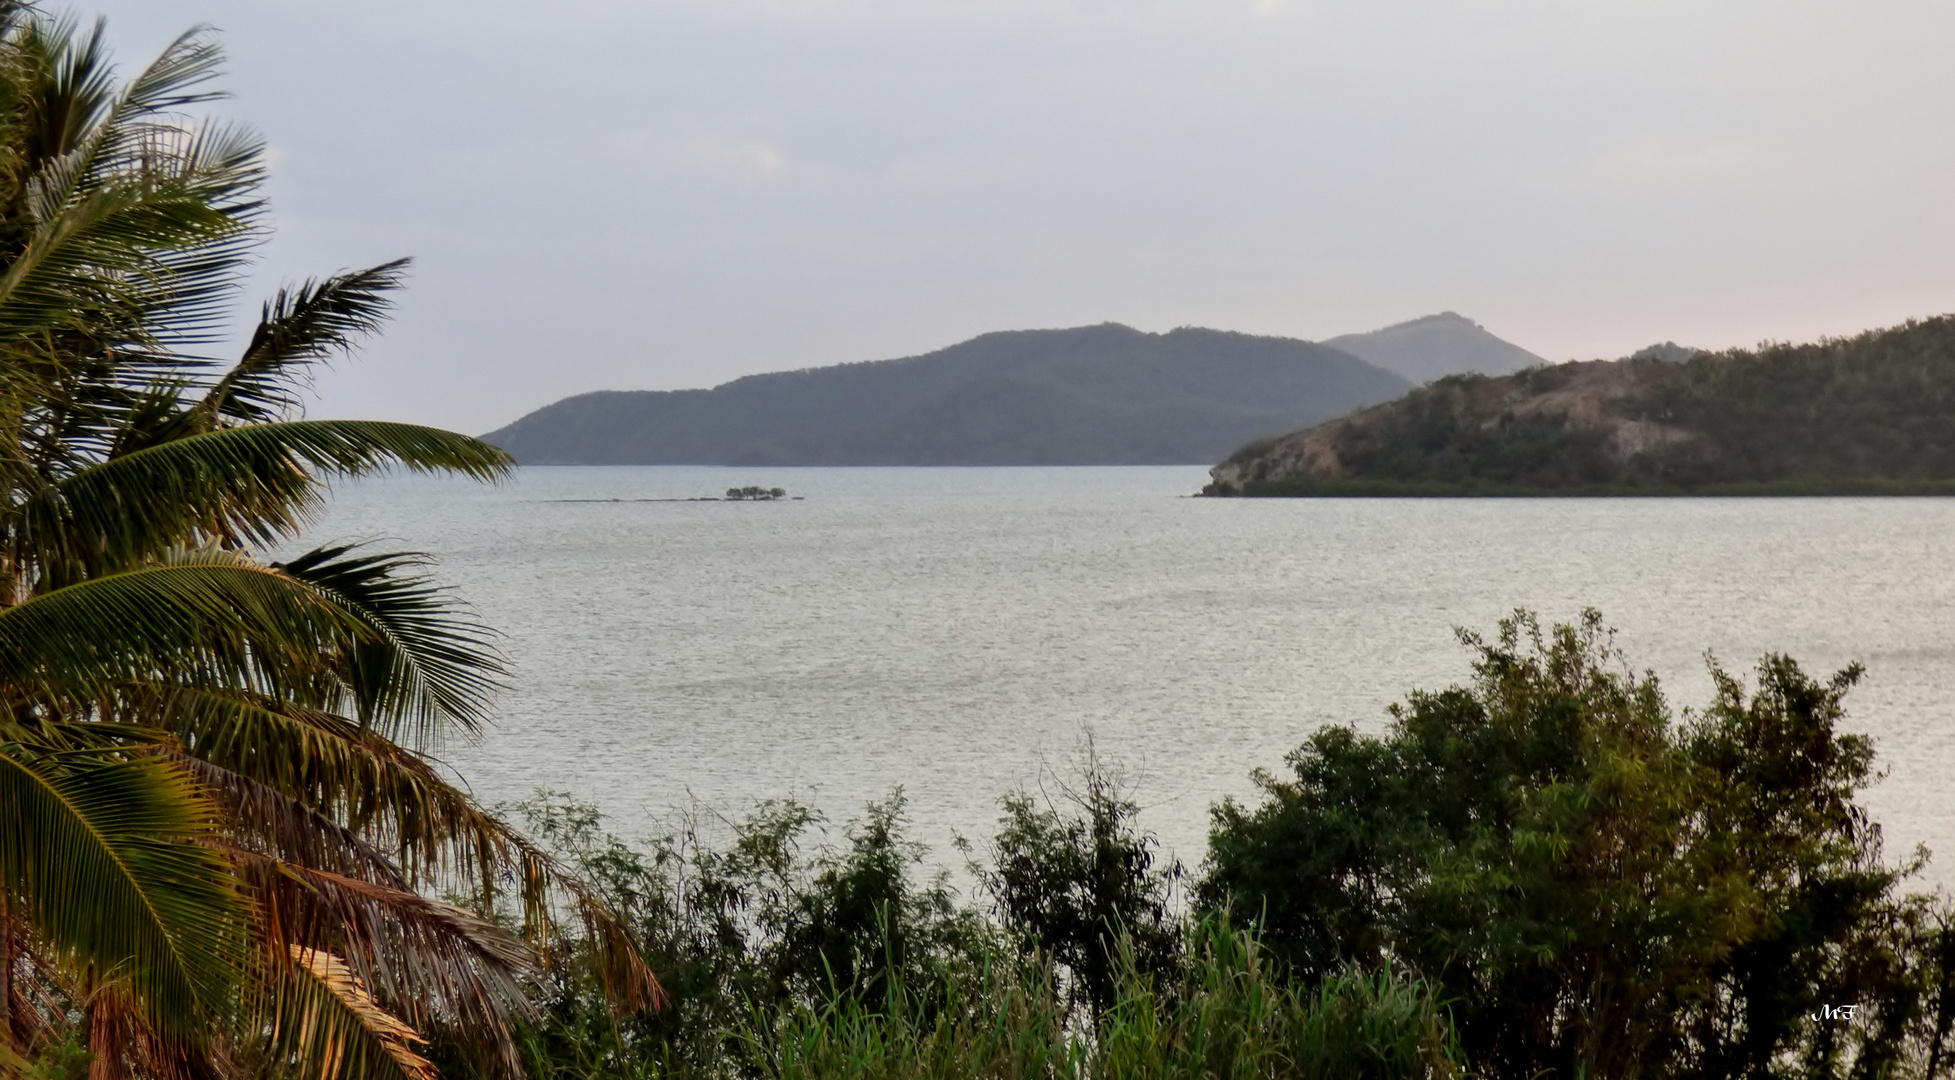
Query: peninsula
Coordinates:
[1865,414]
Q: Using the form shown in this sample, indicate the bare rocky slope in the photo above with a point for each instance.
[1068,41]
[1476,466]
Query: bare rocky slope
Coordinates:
[1873,413]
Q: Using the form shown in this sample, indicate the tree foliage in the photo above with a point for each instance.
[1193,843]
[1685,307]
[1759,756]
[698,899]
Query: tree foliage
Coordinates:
[1601,889]
[1077,880]
[790,956]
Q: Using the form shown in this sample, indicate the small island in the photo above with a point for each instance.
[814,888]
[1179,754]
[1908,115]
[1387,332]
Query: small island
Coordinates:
[755,494]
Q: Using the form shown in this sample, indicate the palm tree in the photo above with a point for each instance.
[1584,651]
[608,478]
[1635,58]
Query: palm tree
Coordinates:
[222,837]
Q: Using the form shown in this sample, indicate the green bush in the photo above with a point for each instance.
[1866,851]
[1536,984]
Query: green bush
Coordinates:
[1070,879]
[1232,1012]
[1598,889]
[757,924]
[789,959]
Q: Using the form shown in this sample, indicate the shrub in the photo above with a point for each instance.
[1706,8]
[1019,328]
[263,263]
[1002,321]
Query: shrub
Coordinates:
[1072,878]
[1599,890]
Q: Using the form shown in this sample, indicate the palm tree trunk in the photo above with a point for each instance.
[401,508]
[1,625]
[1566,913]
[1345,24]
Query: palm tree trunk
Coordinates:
[9,1023]
[105,1035]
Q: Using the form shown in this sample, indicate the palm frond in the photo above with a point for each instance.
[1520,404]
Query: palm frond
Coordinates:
[425,662]
[183,74]
[405,824]
[103,851]
[389,796]
[92,263]
[269,821]
[206,618]
[327,1025]
[70,84]
[300,326]
[255,483]
[430,961]
[187,301]
[122,1038]
[137,141]
[399,800]
[137,235]
[628,983]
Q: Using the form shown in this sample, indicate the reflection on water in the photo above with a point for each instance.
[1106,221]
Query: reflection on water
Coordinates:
[949,629]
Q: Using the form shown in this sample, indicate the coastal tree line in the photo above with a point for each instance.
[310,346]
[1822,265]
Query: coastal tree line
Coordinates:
[1546,872]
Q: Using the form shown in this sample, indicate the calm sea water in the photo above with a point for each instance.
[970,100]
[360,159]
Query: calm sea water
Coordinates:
[960,632]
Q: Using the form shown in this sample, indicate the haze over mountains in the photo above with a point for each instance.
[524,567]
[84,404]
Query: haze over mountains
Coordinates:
[1425,349]
[1094,395]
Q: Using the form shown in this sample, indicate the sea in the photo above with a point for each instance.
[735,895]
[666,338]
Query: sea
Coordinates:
[964,633]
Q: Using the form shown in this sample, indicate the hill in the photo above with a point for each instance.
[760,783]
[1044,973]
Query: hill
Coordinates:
[1436,346]
[1095,395]
[1871,413]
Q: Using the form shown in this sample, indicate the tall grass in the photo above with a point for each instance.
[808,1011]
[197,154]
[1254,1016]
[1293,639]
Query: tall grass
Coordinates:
[1224,1014]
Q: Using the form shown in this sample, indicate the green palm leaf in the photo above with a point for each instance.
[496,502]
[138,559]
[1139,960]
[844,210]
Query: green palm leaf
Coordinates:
[89,139]
[181,76]
[255,482]
[330,765]
[207,618]
[424,662]
[97,252]
[161,912]
[298,327]
[69,81]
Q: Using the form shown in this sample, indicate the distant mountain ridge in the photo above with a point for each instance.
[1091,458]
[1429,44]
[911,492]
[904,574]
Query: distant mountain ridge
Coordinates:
[1435,346]
[1872,413]
[1094,395]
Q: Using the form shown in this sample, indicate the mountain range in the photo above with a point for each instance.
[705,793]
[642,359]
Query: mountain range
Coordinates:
[1092,395]
[1869,413]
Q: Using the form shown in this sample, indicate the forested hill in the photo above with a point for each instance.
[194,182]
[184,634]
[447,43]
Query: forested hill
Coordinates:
[1872,413]
[1096,395]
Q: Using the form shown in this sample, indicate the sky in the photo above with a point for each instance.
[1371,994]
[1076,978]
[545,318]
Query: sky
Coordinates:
[660,194]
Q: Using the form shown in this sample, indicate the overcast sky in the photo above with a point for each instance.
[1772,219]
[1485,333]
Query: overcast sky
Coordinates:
[654,194]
